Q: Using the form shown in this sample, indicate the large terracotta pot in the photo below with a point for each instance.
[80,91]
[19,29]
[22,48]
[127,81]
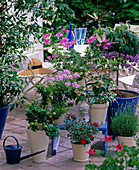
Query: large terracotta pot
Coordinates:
[79,152]
[38,141]
[98,112]
[128,141]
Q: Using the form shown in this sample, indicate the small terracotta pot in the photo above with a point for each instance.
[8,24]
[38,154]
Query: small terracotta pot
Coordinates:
[79,152]
[128,141]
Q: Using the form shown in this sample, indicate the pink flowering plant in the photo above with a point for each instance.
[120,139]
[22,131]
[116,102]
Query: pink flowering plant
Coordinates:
[80,131]
[61,91]
[124,158]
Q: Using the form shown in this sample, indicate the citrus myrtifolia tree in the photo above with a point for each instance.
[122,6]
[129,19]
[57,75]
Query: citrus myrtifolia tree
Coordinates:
[16,29]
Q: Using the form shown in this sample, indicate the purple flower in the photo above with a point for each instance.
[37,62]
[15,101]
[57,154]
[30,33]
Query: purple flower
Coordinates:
[67,84]
[70,76]
[60,72]
[75,85]
[76,75]
[59,78]
[51,79]
[105,47]
[66,71]
[65,76]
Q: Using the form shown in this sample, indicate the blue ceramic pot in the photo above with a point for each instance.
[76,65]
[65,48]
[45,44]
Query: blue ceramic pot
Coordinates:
[119,104]
[3,116]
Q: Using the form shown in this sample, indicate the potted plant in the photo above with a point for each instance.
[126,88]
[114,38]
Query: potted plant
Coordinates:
[125,125]
[81,135]
[40,119]
[11,86]
[63,90]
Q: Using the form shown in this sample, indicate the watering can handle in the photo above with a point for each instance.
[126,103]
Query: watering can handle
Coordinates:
[12,137]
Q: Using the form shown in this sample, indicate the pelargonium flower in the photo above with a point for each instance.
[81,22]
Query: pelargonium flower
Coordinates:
[70,76]
[107,138]
[65,76]
[47,41]
[76,75]
[91,136]
[51,79]
[75,85]
[59,78]
[67,84]
[72,116]
[66,71]
[119,147]
[92,151]
[59,34]
[60,72]
[83,141]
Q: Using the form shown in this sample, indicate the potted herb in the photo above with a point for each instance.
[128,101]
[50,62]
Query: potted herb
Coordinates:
[81,134]
[125,125]
[40,119]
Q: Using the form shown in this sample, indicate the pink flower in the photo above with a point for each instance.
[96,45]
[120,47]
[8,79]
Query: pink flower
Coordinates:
[67,84]
[47,41]
[68,44]
[105,47]
[60,26]
[75,85]
[76,75]
[66,71]
[63,40]
[67,31]
[93,37]
[50,34]
[107,138]
[59,34]
[92,151]
[59,78]
[65,76]
[51,79]
[54,55]
[52,28]
[46,60]
[119,147]
[60,72]
[98,45]
[49,57]
[90,40]
[45,36]
[63,29]
[70,76]
[106,41]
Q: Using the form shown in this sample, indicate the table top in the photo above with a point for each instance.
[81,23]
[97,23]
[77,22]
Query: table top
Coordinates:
[81,49]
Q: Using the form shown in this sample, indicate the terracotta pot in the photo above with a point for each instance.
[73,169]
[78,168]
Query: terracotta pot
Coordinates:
[79,152]
[128,141]
[38,141]
[98,112]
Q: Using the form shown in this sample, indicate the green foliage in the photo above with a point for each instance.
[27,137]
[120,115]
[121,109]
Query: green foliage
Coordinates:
[41,118]
[125,123]
[126,158]
[80,129]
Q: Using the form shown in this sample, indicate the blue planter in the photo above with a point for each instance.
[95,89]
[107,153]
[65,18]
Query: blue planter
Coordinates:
[3,116]
[119,104]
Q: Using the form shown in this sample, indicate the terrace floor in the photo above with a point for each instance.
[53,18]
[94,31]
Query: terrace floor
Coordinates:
[16,125]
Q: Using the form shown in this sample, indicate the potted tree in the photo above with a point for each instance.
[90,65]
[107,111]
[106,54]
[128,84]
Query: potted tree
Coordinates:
[125,125]
[40,118]
[81,134]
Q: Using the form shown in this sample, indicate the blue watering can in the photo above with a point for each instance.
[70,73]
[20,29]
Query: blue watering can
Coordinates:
[13,152]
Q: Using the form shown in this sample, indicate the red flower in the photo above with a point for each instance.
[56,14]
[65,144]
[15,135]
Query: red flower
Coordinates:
[107,138]
[91,124]
[69,115]
[92,151]
[91,136]
[95,124]
[88,122]
[119,147]
[83,118]
[80,128]
[68,124]
[83,141]
[72,116]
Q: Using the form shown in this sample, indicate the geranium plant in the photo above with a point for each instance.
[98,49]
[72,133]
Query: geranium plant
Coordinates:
[80,131]
[126,157]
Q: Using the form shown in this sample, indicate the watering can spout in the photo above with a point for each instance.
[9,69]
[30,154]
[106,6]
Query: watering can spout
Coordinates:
[27,156]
